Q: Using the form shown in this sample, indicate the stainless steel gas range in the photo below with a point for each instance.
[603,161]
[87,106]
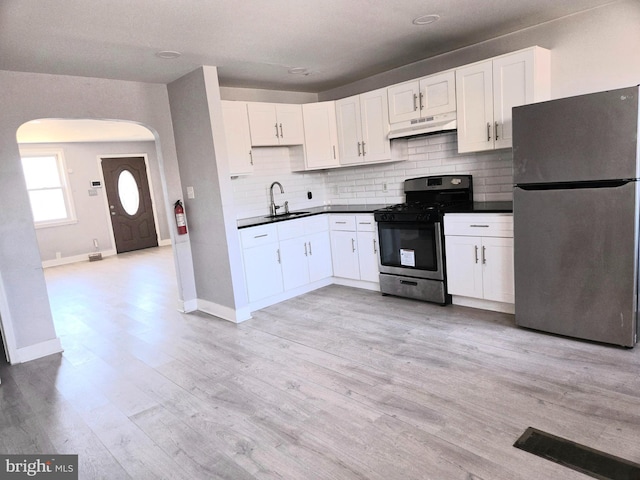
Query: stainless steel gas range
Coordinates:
[411,241]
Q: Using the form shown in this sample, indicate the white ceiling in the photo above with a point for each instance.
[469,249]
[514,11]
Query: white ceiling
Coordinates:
[253,42]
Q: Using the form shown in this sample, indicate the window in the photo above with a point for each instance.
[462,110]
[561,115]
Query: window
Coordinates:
[46,179]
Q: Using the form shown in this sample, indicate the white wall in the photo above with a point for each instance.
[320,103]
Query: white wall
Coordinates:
[26,96]
[82,164]
[590,51]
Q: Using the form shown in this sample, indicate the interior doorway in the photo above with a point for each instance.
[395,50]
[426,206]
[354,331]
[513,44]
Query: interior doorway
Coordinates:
[130,206]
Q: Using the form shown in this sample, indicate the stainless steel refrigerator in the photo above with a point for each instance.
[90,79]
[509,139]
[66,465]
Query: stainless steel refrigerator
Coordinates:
[576,216]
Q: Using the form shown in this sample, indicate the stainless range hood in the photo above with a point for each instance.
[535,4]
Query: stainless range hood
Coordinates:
[424,126]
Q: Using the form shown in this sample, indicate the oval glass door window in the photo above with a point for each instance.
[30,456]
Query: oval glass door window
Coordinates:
[128,192]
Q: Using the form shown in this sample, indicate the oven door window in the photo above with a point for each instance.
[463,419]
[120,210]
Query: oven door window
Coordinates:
[408,245]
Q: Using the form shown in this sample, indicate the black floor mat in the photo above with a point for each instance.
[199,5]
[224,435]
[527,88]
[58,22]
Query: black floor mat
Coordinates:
[578,457]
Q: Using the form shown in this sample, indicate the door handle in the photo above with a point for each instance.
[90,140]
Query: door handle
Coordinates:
[353,245]
[495,133]
[364,152]
[310,252]
[281,134]
[334,152]
[279,259]
[421,104]
[277,130]
[415,102]
[250,157]
[484,255]
[306,254]
[476,252]
[375,248]
[359,153]
[488,131]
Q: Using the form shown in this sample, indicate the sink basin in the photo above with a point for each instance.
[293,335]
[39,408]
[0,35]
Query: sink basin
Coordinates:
[286,215]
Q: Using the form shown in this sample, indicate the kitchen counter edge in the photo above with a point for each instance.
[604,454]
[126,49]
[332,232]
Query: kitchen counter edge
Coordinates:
[255,221]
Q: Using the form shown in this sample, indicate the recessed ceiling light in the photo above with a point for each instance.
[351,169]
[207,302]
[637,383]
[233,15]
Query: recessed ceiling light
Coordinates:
[425,19]
[168,54]
[299,71]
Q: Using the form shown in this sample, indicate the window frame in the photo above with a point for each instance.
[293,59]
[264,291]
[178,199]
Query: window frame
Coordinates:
[63,176]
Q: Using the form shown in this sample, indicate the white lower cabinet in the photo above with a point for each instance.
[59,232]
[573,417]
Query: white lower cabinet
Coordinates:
[354,247]
[261,254]
[286,255]
[305,251]
[479,256]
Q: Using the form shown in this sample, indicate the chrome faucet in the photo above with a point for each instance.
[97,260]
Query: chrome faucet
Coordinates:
[273,207]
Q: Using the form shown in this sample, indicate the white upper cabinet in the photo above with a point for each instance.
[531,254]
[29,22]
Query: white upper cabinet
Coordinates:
[363,128]
[236,129]
[487,91]
[273,124]
[320,135]
[425,97]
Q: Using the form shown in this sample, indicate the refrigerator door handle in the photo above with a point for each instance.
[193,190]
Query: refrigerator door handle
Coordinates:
[575,185]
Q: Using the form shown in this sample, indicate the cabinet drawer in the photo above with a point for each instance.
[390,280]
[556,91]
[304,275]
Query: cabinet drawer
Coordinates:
[365,223]
[291,228]
[343,222]
[483,225]
[316,224]
[260,235]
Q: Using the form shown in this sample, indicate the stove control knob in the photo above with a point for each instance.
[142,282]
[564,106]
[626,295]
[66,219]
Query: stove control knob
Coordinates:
[386,217]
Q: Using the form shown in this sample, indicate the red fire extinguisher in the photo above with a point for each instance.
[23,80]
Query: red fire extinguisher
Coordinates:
[178,210]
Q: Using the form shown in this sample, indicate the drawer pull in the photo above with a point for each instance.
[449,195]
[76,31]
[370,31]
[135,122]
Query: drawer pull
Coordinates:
[342,223]
[479,226]
[260,236]
[407,282]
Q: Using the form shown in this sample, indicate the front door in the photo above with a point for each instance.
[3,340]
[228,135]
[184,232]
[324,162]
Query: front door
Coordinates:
[127,189]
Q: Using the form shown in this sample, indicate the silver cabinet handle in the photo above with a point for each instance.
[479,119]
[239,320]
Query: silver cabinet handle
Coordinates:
[359,152]
[341,223]
[479,226]
[279,259]
[415,102]
[375,247]
[260,236]
[353,245]
[364,152]
[334,152]
[250,157]
[488,131]
[476,253]
[495,133]
[305,250]
[277,130]
[421,104]
[310,251]
[281,134]
[484,255]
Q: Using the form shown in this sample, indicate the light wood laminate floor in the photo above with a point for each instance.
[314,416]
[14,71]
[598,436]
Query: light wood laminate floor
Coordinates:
[337,384]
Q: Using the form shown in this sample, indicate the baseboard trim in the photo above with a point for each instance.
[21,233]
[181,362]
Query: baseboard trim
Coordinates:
[221,311]
[39,350]
[75,259]
[483,304]
[187,306]
[165,243]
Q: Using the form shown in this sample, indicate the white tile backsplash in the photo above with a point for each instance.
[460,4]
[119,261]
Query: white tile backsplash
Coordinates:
[422,156]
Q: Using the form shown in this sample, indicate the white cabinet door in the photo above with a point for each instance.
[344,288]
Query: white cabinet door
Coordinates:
[263,124]
[262,271]
[438,94]
[320,135]
[236,128]
[290,124]
[513,85]
[345,254]
[368,256]
[319,249]
[349,130]
[464,267]
[403,101]
[487,91]
[474,92]
[295,269]
[374,115]
[498,275]
[363,128]
[274,124]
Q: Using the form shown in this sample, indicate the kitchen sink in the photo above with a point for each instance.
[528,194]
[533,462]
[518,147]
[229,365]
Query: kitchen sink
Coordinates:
[286,215]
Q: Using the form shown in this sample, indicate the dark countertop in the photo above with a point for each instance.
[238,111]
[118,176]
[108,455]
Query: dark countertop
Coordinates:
[478,207]
[254,221]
